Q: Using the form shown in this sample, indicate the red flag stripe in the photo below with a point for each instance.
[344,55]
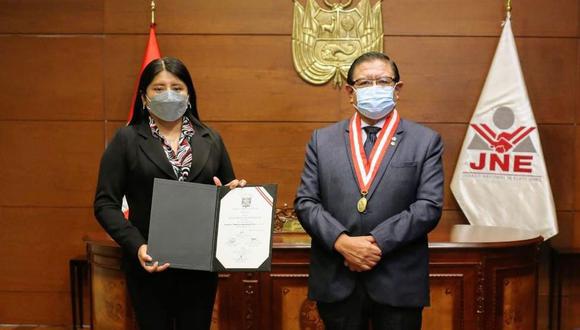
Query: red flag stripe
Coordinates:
[151,53]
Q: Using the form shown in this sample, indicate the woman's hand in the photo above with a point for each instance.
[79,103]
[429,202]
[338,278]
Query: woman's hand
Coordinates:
[233,184]
[144,258]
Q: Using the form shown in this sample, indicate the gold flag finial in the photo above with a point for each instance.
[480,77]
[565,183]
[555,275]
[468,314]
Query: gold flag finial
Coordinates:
[152,12]
[508,6]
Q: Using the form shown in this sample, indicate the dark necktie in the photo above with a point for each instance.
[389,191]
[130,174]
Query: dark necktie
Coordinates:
[371,138]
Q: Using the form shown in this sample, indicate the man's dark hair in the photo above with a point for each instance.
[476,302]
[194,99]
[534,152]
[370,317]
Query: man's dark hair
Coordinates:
[173,66]
[368,57]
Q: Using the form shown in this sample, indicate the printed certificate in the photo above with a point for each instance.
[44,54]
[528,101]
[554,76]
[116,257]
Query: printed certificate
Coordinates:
[244,228]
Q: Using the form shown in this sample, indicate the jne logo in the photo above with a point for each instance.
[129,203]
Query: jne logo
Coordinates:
[507,149]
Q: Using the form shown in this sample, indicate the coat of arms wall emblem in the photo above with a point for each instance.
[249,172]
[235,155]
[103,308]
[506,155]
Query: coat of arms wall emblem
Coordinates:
[325,42]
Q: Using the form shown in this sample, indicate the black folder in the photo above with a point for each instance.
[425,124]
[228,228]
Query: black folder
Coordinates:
[184,223]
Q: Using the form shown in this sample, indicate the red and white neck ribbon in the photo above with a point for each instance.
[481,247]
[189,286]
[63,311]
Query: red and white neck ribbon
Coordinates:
[366,169]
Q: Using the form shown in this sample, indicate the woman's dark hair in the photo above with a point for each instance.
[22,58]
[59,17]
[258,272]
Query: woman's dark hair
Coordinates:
[372,56]
[173,66]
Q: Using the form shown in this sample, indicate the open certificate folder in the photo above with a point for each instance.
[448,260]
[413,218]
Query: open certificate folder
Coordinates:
[204,227]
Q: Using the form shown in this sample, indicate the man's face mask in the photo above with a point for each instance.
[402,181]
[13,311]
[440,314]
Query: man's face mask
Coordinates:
[375,102]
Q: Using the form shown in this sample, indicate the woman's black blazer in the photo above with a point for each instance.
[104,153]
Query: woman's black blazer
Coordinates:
[130,163]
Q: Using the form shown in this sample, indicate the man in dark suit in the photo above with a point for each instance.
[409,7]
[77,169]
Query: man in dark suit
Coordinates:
[371,190]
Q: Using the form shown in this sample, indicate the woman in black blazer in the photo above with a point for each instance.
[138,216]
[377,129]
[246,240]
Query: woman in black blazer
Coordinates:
[164,139]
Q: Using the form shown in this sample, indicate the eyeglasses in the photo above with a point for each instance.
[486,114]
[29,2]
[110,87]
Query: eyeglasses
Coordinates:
[383,82]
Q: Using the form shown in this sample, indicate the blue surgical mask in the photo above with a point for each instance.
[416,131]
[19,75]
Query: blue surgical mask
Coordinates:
[169,105]
[375,102]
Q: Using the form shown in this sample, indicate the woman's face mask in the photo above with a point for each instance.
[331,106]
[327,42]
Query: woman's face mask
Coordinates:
[169,105]
[166,97]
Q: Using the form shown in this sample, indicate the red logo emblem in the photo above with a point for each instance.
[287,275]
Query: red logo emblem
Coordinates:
[498,148]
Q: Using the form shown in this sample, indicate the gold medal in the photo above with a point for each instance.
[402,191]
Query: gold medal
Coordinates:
[361,206]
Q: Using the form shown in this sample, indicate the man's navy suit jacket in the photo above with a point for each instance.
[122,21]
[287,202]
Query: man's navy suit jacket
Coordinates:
[404,204]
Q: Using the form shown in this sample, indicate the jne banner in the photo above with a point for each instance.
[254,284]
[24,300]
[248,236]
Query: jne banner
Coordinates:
[501,178]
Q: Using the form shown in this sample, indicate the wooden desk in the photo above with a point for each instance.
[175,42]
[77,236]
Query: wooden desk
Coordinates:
[481,278]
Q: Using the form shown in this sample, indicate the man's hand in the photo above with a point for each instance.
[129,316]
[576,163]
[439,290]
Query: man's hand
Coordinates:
[144,258]
[232,184]
[361,253]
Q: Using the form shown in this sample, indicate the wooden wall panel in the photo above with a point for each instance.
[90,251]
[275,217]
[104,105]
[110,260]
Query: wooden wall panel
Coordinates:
[432,92]
[47,78]
[57,16]
[33,327]
[415,17]
[241,78]
[216,17]
[38,245]
[69,69]
[567,226]
[576,237]
[578,72]
[287,144]
[577,166]
[122,57]
[236,83]
[279,155]
[452,135]
[252,78]
[263,152]
[268,152]
[444,76]
[111,128]
[575,228]
[45,308]
[556,139]
[274,152]
[479,18]
[545,60]
[52,164]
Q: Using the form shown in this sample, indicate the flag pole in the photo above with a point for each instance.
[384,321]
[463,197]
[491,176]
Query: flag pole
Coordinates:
[152,12]
[508,10]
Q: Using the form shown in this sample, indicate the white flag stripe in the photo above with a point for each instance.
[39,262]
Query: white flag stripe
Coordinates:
[376,156]
[506,184]
[357,146]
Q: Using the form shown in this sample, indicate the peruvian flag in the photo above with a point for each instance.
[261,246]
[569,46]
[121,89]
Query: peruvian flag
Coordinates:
[500,178]
[151,53]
